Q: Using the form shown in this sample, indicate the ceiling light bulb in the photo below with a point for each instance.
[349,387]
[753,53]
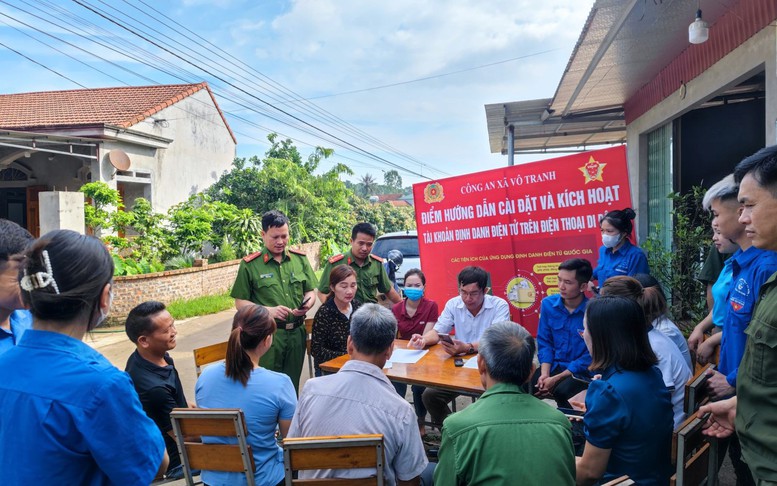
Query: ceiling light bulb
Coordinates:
[699,30]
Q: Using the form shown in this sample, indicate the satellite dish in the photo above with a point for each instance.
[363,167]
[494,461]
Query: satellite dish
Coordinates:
[119,159]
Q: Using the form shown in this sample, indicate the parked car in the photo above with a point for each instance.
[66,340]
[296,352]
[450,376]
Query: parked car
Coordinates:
[404,241]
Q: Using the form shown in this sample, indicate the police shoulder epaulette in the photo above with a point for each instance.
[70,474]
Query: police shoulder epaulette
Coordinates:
[336,258]
[376,257]
[297,251]
[251,257]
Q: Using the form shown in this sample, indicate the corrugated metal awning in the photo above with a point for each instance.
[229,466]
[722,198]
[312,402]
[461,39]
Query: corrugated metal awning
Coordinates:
[537,129]
[623,46]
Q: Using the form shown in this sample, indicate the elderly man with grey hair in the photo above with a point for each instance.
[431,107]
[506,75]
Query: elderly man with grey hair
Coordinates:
[359,399]
[480,444]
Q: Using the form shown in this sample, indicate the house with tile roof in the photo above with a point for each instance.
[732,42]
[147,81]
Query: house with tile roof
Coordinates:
[162,143]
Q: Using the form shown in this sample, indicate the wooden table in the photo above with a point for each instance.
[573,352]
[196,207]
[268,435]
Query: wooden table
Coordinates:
[435,369]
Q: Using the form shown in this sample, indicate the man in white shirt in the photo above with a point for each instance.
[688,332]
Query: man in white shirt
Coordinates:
[359,399]
[471,313]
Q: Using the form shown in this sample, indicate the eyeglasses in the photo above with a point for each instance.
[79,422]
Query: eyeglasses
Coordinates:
[472,295]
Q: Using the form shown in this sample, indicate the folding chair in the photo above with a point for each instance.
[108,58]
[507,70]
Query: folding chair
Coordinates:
[334,452]
[696,392]
[219,422]
[694,454]
[209,354]
[308,334]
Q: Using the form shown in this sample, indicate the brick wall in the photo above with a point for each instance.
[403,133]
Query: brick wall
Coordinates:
[186,283]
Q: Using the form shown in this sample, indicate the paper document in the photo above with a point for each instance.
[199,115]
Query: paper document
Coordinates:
[409,356]
[388,365]
[471,363]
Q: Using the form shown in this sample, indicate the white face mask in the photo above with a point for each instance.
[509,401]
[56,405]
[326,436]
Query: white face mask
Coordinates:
[611,241]
[103,314]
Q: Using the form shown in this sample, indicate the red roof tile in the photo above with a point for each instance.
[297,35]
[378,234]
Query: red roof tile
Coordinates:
[123,107]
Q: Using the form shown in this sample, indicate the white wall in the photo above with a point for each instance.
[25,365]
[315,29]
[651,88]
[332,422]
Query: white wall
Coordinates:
[201,150]
[756,54]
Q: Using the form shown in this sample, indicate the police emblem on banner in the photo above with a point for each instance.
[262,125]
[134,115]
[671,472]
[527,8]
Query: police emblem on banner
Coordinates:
[433,193]
[593,170]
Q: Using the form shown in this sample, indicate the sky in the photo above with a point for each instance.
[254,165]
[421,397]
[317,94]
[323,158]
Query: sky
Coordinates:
[388,85]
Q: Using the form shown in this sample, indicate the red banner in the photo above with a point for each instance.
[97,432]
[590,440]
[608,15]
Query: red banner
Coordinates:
[519,223]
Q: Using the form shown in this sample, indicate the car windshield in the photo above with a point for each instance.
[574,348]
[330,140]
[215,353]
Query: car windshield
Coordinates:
[407,245]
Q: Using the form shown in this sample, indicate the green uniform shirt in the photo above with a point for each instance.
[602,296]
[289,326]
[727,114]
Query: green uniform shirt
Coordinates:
[370,277]
[506,437]
[264,281]
[756,422]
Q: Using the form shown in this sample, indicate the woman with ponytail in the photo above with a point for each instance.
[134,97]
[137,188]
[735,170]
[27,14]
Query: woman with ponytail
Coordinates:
[68,415]
[266,398]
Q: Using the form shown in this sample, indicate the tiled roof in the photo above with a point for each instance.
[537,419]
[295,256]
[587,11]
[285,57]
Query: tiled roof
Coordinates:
[122,107]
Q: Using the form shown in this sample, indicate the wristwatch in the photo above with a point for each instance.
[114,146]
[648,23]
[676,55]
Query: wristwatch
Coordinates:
[471,349]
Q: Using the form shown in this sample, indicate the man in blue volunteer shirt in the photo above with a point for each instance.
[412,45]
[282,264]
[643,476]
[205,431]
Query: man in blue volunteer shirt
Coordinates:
[561,349]
[14,318]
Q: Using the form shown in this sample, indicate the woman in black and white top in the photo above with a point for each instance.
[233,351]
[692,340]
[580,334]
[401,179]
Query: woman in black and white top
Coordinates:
[332,322]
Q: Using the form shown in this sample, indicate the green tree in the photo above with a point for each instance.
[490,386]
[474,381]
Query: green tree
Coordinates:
[98,215]
[368,185]
[393,181]
[316,204]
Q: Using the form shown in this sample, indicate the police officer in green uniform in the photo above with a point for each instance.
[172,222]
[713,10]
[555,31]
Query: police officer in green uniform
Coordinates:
[370,273]
[283,281]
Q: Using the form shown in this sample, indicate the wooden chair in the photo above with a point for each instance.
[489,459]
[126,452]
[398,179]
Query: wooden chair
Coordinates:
[209,354]
[334,452]
[309,334]
[696,392]
[621,481]
[694,455]
[219,422]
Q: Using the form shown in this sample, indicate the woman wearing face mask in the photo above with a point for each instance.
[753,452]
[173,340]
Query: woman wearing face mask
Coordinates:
[67,412]
[332,322]
[618,256]
[415,315]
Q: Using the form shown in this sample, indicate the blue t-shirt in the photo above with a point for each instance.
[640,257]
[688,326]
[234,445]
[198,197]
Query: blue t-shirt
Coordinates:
[749,270]
[267,398]
[630,412]
[70,416]
[720,294]
[20,321]
[559,336]
[629,260]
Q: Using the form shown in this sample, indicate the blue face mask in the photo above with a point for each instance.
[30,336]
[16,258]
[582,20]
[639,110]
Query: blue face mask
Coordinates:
[413,293]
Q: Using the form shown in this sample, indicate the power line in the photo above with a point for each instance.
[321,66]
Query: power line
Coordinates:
[171,52]
[426,78]
[155,67]
[270,82]
[41,65]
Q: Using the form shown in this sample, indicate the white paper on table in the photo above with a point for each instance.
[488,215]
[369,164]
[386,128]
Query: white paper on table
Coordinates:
[409,356]
[388,365]
[471,363]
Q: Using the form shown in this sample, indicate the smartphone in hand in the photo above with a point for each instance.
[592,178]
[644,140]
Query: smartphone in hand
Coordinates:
[446,337]
[302,305]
